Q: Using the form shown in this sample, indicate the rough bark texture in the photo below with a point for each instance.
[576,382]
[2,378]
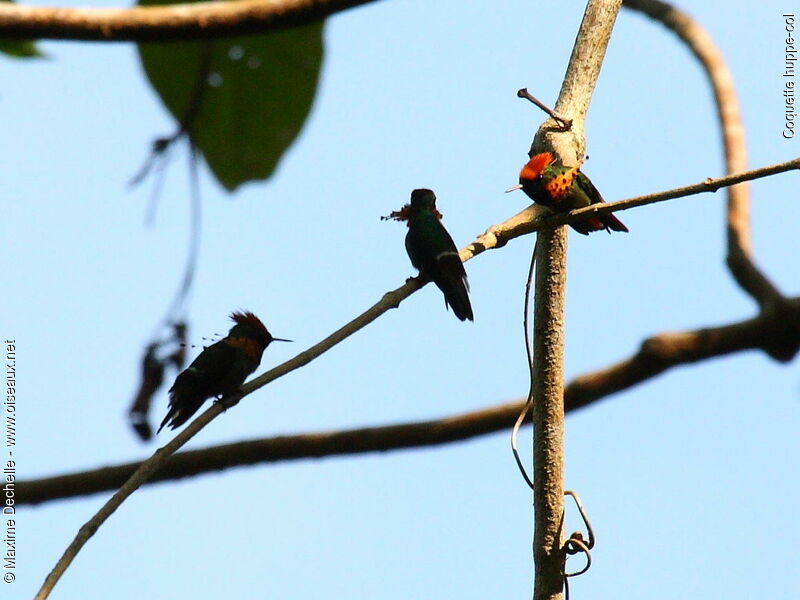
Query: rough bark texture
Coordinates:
[548,412]
[548,373]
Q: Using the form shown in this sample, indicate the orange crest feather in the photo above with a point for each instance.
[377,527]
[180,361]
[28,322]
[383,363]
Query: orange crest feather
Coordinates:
[534,167]
[248,318]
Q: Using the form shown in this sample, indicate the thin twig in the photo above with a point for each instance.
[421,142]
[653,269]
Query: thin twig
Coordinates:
[573,546]
[565,123]
[159,150]
[576,543]
[529,354]
[530,219]
[589,529]
[708,185]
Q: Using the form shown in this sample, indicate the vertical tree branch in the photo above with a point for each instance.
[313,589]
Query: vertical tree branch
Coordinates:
[548,368]
[548,412]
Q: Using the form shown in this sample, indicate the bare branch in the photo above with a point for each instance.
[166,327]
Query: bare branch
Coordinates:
[142,474]
[776,332]
[565,123]
[278,449]
[547,387]
[709,185]
[202,20]
[573,101]
[740,253]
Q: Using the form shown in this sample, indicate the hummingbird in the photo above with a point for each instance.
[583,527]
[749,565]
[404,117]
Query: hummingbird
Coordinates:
[563,189]
[219,369]
[433,252]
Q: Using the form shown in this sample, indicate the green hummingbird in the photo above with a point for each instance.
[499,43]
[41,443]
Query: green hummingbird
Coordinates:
[563,189]
[219,369]
[433,252]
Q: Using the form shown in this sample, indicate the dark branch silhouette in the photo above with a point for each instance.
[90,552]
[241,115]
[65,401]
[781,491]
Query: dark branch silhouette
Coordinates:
[201,20]
[777,333]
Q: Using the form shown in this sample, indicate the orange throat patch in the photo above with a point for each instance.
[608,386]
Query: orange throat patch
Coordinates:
[249,346]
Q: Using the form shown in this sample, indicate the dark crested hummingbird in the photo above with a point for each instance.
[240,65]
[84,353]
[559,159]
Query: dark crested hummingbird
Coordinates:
[433,252]
[563,189]
[219,369]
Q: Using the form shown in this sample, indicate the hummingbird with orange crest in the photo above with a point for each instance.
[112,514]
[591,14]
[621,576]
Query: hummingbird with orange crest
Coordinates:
[220,369]
[563,189]
[433,252]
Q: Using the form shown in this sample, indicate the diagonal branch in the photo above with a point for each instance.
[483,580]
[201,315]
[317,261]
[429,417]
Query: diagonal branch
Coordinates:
[201,20]
[740,253]
[524,222]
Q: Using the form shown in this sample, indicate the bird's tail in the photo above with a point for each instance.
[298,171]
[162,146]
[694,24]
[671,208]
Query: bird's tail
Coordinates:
[597,223]
[184,400]
[452,280]
[180,411]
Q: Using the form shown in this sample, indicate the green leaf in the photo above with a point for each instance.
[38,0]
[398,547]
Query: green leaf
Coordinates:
[19,48]
[251,95]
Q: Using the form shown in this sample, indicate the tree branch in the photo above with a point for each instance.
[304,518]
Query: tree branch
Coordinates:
[536,218]
[526,221]
[547,390]
[777,333]
[201,20]
[740,253]
[709,185]
[547,372]
[142,474]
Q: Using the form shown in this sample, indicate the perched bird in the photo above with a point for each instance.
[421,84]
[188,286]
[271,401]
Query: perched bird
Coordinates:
[219,369]
[563,189]
[432,251]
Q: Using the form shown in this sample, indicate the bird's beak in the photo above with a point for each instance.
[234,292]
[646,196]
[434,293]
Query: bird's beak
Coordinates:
[281,340]
[514,189]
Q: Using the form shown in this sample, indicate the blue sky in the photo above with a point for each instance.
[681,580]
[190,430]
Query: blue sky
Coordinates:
[688,478]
